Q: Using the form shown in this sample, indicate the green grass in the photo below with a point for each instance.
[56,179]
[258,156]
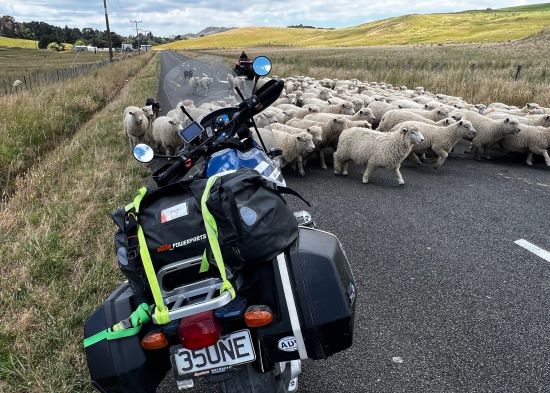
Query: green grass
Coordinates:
[34,122]
[56,252]
[18,62]
[462,27]
[17,43]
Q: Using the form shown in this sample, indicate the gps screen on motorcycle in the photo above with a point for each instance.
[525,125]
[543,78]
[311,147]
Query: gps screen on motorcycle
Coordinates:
[189,133]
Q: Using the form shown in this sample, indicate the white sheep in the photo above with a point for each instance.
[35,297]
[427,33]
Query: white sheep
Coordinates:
[165,134]
[530,140]
[205,84]
[376,149]
[330,131]
[16,83]
[135,124]
[230,84]
[489,132]
[300,113]
[315,131]
[195,85]
[364,114]
[396,116]
[294,146]
[440,140]
[345,108]
[379,109]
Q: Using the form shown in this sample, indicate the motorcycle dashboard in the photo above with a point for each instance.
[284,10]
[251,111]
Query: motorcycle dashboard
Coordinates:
[213,120]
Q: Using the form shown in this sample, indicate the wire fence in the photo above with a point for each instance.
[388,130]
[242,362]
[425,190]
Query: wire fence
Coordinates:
[30,81]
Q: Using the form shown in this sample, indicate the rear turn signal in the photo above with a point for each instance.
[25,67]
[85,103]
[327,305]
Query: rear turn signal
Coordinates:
[258,316]
[154,340]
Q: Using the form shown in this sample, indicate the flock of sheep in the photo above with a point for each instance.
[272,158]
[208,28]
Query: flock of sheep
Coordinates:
[372,124]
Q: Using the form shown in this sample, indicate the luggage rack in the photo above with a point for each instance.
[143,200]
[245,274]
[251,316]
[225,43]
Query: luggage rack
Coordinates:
[193,297]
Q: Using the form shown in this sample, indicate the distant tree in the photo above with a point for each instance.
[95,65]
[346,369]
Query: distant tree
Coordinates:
[9,27]
[54,46]
[80,41]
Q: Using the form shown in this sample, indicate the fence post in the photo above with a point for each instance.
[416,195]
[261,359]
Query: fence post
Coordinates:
[518,72]
[25,82]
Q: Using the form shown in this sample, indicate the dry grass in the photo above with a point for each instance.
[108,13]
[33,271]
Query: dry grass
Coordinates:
[32,123]
[56,253]
[478,73]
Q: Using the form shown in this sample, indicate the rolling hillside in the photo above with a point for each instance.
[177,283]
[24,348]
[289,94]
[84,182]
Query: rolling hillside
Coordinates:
[468,26]
[17,43]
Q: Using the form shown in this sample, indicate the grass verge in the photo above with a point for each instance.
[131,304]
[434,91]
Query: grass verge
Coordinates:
[17,43]
[56,251]
[33,123]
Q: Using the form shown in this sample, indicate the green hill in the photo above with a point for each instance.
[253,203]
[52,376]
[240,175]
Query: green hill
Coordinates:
[17,43]
[467,26]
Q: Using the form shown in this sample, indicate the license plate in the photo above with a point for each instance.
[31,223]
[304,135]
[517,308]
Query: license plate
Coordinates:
[231,350]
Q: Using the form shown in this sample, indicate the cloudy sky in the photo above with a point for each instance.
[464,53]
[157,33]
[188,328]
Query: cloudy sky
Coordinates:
[171,17]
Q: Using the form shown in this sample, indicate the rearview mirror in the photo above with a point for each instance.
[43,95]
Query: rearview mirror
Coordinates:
[143,153]
[261,66]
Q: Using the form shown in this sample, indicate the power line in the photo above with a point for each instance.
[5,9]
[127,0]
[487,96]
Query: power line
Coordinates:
[137,32]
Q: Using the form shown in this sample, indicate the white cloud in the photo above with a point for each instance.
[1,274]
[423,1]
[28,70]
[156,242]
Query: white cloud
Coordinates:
[170,17]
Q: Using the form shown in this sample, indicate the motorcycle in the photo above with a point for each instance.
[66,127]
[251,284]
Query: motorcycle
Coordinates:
[299,306]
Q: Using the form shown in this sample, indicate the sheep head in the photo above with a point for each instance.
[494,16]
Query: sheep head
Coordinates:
[305,143]
[466,129]
[511,126]
[413,135]
[317,133]
[347,109]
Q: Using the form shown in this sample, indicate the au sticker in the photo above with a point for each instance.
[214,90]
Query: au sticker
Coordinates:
[174,212]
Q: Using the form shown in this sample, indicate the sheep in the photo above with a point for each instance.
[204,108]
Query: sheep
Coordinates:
[345,108]
[379,109]
[154,105]
[240,83]
[376,149]
[264,119]
[397,116]
[205,83]
[440,140]
[135,124]
[315,131]
[230,84]
[436,114]
[330,131]
[165,134]
[16,84]
[294,146]
[530,140]
[300,113]
[195,113]
[363,114]
[281,115]
[489,132]
[194,84]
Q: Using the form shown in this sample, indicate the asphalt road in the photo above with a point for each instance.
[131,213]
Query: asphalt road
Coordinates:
[447,302]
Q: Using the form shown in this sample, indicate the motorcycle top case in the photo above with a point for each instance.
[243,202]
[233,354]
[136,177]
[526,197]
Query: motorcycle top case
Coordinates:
[122,366]
[324,294]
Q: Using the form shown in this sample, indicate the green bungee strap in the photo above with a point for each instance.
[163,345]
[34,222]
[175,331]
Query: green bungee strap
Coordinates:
[212,233]
[161,314]
[126,328]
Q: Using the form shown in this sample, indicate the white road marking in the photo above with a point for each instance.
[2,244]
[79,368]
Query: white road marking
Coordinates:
[223,82]
[203,74]
[534,249]
[195,68]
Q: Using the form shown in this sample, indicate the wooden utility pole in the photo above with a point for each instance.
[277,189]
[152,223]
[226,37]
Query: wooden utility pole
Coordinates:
[108,31]
[137,32]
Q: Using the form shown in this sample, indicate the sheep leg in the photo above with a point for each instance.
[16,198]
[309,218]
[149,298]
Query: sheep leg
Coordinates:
[337,164]
[300,164]
[546,157]
[486,153]
[441,157]
[413,156]
[322,159]
[477,152]
[368,172]
[529,160]
[399,177]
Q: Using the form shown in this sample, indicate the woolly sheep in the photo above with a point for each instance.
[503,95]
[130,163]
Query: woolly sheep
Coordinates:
[440,140]
[240,83]
[376,149]
[315,131]
[165,133]
[205,84]
[345,108]
[230,84]
[530,140]
[16,83]
[135,124]
[330,133]
[397,116]
[379,109]
[194,84]
[294,146]
[300,113]
[363,114]
[489,132]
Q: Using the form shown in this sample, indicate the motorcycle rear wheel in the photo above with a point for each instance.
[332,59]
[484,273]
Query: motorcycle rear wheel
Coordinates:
[248,380]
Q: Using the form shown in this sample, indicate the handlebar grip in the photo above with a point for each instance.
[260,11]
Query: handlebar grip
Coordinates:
[267,96]
[170,173]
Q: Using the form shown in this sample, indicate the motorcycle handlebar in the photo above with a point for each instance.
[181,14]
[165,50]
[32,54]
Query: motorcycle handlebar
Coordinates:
[171,172]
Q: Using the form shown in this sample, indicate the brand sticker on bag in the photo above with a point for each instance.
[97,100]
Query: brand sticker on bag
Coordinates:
[288,344]
[174,212]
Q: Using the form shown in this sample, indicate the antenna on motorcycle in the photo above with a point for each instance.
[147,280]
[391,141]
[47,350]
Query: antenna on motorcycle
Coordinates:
[186,113]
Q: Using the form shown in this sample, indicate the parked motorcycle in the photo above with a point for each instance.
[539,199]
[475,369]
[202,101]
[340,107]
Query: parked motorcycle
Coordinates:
[298,305]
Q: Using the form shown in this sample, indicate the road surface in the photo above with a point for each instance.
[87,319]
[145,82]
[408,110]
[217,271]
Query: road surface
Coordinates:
[448,302]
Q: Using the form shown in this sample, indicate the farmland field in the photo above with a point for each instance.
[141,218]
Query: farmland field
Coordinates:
[464,27]
[16,62]
[480,73]
[17,43]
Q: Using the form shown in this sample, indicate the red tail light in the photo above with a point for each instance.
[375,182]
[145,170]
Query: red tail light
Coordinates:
[199,330]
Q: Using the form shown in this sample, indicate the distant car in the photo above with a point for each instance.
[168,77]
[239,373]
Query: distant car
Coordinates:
[244,68]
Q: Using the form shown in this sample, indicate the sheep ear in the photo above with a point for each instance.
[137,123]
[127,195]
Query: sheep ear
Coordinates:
[299,138]
[131,113]
[507,120]
[547,117]
[460,123]
[404,130]
[172,122]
